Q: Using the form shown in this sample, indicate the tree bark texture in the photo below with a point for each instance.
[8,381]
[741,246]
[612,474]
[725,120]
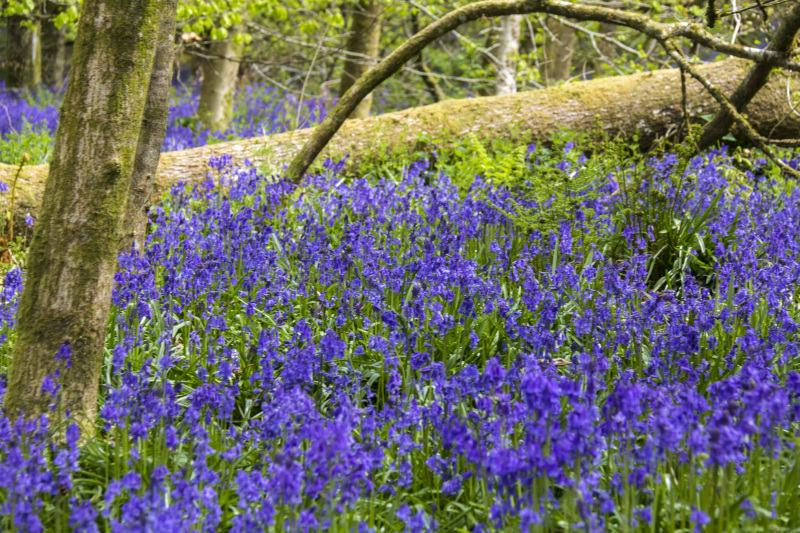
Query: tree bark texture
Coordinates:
[648,103]
[151,136]
[73,255]
[507,54]
[215,107]
[559,45]
[23,54]
[54,47]
[363,42]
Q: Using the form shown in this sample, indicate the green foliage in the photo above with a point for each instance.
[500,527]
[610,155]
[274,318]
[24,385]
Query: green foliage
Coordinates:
[559,182]
[37,145]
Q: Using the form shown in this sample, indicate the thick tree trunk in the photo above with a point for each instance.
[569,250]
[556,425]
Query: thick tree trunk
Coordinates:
[23,54]
[559,45]
[507,54]
[54,47]
[363,39]
[151,136]
[73,256]
[648,104]
[215,108]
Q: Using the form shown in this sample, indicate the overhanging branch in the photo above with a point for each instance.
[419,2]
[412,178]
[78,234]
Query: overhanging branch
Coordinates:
[768,59]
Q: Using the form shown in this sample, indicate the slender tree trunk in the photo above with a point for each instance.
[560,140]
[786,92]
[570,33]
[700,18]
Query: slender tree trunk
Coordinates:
[363,38]
[559,45]
[73,256]
[607,51]
[507,55]
[151,136]
[430,81]
[23,54]
[215,108]
[54,47]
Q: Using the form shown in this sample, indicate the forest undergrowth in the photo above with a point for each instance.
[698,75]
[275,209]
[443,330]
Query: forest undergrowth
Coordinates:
[489,339]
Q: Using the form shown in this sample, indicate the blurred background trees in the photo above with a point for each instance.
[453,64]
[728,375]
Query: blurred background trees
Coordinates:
[312,48]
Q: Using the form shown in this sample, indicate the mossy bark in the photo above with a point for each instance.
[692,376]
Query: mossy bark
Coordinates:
[363,41]
[215,107]
[73,256]
[499,8]
[151,136]
[646,104]
[23,53]
[54,47]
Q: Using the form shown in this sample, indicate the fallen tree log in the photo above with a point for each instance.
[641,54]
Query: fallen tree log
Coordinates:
[648,104]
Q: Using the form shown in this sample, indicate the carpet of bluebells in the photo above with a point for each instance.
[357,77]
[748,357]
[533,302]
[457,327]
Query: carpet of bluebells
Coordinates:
[28,119]
[400,355]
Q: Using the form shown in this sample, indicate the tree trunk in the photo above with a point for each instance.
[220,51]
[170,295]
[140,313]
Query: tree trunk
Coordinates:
[73,256]
[499,8]
[23,54]
[606,50]
[783,42]
[507,55]
[430,81]
[151,136]
[54,47]
[215,108]
[559,44]
[647,104]
[363,39]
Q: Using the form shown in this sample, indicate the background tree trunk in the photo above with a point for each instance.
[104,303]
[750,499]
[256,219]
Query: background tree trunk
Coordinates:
[364,36]
[607,51]
[507,54]
[54,47]
[559,45]
[430,81]
[215,108]
[23,54]
[151,136]
[73,256]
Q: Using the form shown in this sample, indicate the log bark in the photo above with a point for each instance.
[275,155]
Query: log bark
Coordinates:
[73,255]
[648,103]
[364,36]
[486,9]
